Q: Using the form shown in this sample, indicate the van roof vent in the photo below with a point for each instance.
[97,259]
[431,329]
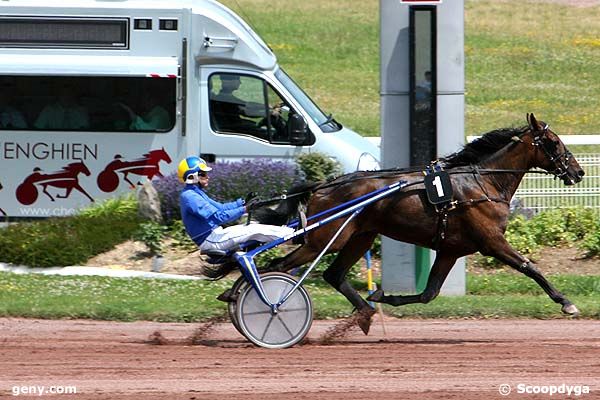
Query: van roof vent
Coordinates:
[220,42]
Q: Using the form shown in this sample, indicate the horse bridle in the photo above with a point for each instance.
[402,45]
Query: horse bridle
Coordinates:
[561,161]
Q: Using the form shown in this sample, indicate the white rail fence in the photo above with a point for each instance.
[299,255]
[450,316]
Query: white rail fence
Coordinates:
[541,192]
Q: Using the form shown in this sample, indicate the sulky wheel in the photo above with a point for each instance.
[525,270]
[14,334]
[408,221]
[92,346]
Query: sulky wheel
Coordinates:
[108,181]
[231,306]
[280,330]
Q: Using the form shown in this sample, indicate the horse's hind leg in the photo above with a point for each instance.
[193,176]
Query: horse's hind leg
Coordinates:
[126,179]
[439,271]
[67,193]
[296,258]
[335,275]
[505,253]
[46,192]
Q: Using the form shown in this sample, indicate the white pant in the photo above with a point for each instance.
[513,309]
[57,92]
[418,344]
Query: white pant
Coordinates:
[226,238]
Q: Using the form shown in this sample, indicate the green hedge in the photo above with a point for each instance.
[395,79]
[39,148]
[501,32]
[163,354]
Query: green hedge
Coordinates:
[580,226]
[70,240]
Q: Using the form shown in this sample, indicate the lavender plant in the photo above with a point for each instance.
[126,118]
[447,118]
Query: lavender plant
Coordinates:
[231,180]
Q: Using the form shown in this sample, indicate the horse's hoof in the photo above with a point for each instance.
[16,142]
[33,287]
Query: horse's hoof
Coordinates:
[364,319]
[570,309]
[376,296]
[226,296]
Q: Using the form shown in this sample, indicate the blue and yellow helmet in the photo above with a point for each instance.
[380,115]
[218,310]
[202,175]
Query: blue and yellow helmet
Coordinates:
[189,166]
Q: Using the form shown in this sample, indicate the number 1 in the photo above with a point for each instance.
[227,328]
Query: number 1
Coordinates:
[437,182]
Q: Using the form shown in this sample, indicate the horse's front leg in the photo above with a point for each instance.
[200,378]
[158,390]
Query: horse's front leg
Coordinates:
[503,251]
[439,271]
[78,187]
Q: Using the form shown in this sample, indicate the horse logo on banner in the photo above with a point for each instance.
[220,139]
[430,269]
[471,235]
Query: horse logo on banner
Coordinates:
[67,178]
[1,210]
[147,166]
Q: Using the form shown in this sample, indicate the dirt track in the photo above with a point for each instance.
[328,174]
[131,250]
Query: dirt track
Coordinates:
[418,359]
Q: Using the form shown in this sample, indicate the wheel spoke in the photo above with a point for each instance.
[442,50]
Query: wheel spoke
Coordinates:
[291,309]
[258,312]
[285,326]
[262,338]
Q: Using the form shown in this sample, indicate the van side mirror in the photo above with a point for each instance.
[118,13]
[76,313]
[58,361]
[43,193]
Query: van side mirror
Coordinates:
[298,129]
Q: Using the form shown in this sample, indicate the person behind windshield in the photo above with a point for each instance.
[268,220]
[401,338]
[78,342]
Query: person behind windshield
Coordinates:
[10,117]
[230,112]
[203,216]
[153,116]
[66,113]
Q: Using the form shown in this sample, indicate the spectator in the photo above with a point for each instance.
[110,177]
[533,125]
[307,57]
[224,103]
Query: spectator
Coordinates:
[65,113]
[153,116]
[10,117]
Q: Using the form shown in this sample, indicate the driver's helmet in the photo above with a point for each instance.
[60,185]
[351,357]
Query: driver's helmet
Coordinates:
[189,167]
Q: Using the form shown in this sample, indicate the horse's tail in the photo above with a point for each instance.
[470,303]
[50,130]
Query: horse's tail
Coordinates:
[288,207]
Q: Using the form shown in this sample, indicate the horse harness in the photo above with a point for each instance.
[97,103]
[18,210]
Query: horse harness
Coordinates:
[444,208]
[561,162]
[439,191]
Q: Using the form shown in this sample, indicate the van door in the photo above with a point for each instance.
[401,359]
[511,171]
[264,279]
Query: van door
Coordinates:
[244,116]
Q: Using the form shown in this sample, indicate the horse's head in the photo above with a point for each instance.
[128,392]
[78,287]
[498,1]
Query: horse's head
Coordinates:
[158,155]
[551,153]
[78,168]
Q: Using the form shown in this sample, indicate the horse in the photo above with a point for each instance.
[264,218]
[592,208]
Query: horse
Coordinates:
[147,165]
[484,175]
[66,178]
[1,210]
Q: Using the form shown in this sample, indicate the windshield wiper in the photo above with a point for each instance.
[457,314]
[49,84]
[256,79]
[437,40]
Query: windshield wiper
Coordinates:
[328,120]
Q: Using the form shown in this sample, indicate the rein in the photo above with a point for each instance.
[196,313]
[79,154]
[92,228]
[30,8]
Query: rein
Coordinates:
[391,173]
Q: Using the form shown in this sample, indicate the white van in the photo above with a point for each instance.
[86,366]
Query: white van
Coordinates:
[96,96]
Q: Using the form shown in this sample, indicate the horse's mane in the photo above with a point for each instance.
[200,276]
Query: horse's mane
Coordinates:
[471,154]
[478,150]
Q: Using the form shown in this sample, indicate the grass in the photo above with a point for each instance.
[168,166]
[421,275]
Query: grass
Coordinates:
[521,56]
[70,241]
[120,299]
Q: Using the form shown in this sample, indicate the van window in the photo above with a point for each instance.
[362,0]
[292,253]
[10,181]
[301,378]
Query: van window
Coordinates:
[102,104]
[246,105]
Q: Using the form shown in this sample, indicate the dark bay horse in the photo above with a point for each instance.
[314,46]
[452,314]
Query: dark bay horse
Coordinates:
[484,174]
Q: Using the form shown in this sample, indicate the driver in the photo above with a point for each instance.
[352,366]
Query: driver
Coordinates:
[203,216]
[231,112]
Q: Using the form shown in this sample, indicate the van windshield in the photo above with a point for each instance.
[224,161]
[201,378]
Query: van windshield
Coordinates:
[327,123]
